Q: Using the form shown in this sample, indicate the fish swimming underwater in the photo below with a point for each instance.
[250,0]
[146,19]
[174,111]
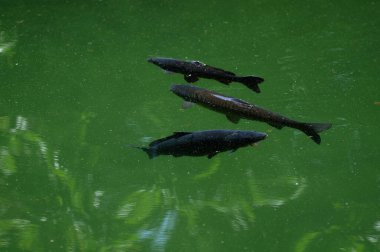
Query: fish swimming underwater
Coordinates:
[193,70]
[202,143]
[235,109]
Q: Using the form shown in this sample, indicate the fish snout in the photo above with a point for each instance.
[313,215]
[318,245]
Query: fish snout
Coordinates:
[260,136]
[179,89]
[161,62]
[184,91]
[255,137]
[152,60]
[173,88]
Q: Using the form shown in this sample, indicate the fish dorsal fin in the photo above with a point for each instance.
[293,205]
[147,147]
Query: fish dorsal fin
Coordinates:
[233,118]
[196,62]
[228,72]
[224,71]
[175,135]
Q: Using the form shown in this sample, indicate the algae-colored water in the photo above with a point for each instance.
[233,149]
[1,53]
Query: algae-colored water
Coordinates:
[75,90]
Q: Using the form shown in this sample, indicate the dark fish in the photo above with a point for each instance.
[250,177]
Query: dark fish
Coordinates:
[201,143]
[192,70]
[235,109]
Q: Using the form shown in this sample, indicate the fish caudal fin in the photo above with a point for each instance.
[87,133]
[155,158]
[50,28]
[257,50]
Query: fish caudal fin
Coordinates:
[312,130]
[150,151]
[251,82]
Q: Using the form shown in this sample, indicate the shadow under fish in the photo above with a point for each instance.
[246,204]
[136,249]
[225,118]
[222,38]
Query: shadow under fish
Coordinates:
[202,143]
[193,70]
[235,109]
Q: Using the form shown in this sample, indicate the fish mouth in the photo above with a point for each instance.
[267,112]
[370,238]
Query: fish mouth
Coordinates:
[180,90]
[259,137]
[152,60]
[161,62]
[175,88]
[263,136]
[156,61]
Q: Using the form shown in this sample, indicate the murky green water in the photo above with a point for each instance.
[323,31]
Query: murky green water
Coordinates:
[75,89]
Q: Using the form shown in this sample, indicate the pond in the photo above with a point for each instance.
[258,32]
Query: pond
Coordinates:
[76,91]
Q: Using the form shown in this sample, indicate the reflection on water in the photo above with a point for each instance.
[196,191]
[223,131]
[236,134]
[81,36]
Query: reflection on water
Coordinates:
[276,192]
[28,221]
[146,218]
[7,45]
[161,234]
[338,238]
[82,90]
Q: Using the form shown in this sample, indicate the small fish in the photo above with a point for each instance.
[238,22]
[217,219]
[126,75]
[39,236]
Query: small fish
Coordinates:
[202,143]
[235,109]
[377,103]
[193,70]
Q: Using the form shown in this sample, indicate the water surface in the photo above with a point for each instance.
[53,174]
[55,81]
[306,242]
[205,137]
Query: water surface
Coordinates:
[76,89]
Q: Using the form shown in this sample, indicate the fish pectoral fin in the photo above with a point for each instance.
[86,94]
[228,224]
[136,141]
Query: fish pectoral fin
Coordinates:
[209,156]
[191,78]
[187,104]
[233,118]
[276,125]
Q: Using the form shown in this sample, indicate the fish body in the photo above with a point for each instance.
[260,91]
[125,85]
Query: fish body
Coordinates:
[202,143]
[235,109]
[193,70]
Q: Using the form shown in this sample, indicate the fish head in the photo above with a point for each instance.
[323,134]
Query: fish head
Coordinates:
[162,62]
[187,92]
[246,137]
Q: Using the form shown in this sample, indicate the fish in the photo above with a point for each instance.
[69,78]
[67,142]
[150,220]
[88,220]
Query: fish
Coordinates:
[202,143]
[193,70]
[236,109]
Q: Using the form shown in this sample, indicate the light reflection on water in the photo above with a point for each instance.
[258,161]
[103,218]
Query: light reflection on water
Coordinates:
[160,235]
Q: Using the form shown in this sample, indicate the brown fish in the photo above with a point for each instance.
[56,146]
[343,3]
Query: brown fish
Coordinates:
[235,109]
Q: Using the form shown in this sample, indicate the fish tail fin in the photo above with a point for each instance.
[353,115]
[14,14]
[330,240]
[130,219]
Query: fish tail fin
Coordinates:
[151,153]
[251,82]
[312,130]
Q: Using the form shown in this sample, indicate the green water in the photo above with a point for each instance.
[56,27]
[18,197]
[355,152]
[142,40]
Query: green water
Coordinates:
[75,90]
